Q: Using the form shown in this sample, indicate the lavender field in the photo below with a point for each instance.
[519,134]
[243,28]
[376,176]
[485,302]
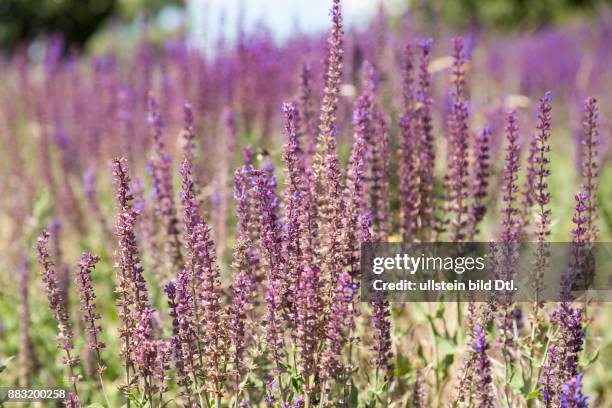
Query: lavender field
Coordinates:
[182,228]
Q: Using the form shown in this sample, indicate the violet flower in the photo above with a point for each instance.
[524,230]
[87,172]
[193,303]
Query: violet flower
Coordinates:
[510,214]
[355,189]
[151,356]
[550,378]
[542,170]
[337,328]
[327,166]
[418,391]
[329,185]
[528,193]
[562,361]
[188,131]
[409,154]
[482,370]
[309,331]
[293,229]
[164,192]
[511,223]
[271,242]
[542,193]
[571,394]
[480,183]
[244,264]
[148,228]
[379,189]
[209,315]
[457,177]
[88,308]
[306,109]
[590,164]
[427,153]
[130,288]
[57,306]
[381,328]
[182,340]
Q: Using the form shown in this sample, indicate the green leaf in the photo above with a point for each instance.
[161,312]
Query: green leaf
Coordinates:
[95,405]
[403,365]
[517,383]
[445,364]
[534,395]
[353,396]
[256,381]
[592,359]
[4,364]
[440,311]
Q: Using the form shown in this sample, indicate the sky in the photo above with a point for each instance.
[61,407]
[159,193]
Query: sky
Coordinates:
[282,17]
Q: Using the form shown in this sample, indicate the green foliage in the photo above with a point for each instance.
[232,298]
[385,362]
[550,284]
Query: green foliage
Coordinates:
[505,14]
[75,20]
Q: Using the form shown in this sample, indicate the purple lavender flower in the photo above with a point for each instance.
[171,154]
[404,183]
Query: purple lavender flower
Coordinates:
[528,193]
[327,166]
[511,223]
[562,361]
[297,402]
[337,328]
[571,394]
[418,393]
[241,305]
[480,181]
[510,220]
[72,401]
[306,109]
[457,177]
[57,306]
[244,263]
[570,320]
[148,228]
[381,327]
[550,378]
[427,154]
[542,171]
[379,188]
[577,265]
[355,189]
[164,192]
[188,131]
[409,178]
[88,309]
[63,273]
[271,242]
[131,288]
[182,340]
[209,315]
[541,191]
[150,356]
[459,71]
[482,370]
[293,230]
[590,164]
[308,331]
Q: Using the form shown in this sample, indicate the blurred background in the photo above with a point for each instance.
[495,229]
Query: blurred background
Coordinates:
[90,23]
